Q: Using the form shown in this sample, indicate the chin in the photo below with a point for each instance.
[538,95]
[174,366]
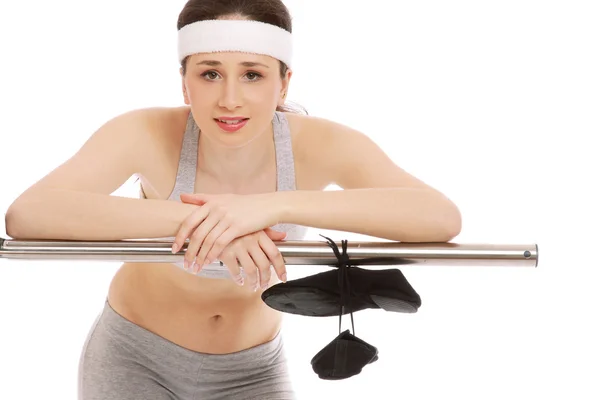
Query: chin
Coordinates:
[232,140]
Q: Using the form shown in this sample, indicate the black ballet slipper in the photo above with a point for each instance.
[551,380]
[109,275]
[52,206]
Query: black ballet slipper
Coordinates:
[344,357]
[319,295]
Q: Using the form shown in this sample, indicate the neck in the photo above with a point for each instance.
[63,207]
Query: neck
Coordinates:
[236,166]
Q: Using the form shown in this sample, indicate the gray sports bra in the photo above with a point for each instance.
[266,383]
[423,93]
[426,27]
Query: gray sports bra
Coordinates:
[286,178]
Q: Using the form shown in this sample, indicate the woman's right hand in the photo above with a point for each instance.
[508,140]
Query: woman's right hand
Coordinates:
[254,254]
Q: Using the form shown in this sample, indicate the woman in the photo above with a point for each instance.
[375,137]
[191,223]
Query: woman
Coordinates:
[255,174]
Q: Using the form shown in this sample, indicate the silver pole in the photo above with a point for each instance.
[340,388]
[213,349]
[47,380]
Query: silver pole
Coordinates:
[294,252]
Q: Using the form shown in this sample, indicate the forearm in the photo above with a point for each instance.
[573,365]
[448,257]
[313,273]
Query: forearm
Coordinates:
[57,214]
[398,214]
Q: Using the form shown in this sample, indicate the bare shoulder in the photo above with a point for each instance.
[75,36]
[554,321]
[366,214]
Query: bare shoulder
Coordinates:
[313,141]
[165,128]
[161,122]
[162,130]
[151,139]
[331,152]
[312,136]
[124,146]
[149,125]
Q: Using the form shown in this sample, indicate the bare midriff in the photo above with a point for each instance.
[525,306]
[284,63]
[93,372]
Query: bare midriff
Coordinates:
[206,315]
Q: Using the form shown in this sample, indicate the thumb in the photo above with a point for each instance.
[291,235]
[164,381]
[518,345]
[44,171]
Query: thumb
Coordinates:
[194,198]
[275,235]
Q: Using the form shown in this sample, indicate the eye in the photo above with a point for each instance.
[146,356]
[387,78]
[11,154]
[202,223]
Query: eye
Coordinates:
[254,76]
[210,75]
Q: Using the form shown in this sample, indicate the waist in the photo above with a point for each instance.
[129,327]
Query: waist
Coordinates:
[213,316]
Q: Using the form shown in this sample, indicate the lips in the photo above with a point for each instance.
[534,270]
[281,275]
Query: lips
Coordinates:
[231,120]
[232,124]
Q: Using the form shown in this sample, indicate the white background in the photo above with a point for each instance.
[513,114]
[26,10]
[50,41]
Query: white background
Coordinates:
[494,103]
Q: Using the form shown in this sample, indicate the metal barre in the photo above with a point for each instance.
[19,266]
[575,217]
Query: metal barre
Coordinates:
[294,252]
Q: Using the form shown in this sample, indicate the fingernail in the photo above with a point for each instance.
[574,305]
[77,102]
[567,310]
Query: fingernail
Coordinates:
[185,264]
[284,277]
[239,279]
[174,248]
[264,286]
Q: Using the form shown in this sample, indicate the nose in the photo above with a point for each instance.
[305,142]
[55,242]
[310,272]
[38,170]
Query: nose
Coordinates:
[231,95]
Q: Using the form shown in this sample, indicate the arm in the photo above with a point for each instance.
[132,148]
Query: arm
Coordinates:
[74,201]
[398,214]
[380,199]
[62,214]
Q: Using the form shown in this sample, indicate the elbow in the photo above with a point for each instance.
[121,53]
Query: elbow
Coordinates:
[14,222]
[452,223]
[10,223]
[440,223]
[451,233]
[446,223]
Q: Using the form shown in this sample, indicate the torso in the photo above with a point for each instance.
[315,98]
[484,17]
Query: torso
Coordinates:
[202,314]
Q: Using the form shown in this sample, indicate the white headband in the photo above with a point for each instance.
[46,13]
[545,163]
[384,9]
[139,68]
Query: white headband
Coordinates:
[235,35]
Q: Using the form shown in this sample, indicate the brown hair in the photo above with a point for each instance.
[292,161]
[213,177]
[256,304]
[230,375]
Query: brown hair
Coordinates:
[272,12]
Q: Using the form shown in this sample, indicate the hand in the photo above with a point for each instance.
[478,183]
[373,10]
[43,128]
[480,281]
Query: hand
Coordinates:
[254,253]
[219,220]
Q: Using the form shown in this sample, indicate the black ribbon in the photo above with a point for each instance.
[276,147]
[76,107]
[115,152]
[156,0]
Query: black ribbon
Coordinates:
[343,265]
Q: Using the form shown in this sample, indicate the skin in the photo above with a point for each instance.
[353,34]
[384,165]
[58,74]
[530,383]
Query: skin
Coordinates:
[221,316]
[202,314]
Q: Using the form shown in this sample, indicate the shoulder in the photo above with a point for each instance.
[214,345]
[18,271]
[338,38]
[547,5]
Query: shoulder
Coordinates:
[310,134]
[151,120]
[316,136]
[155,127]
[160,120]
[334,153]
[159,140]
[320,144]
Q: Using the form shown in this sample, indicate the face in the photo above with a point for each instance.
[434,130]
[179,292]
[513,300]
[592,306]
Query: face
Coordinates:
[233,85]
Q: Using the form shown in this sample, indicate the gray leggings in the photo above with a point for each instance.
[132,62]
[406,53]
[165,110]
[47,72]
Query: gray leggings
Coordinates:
[121,360]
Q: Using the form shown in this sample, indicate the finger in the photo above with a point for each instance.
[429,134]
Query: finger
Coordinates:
[220,244]
[188,226]
[215,238]
[230,260]
[194,198]
[274,255]
[262,263]
[249,267]
[275,235]
[196,241]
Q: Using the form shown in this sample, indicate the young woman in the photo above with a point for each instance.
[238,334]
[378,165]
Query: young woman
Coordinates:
[232,171]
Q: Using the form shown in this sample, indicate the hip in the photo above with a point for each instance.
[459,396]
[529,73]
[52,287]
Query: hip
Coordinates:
[121,359]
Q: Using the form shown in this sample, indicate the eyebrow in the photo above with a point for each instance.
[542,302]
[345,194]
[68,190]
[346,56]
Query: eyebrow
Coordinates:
[215,63]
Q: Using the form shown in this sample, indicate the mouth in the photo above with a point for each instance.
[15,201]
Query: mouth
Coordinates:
[231,124]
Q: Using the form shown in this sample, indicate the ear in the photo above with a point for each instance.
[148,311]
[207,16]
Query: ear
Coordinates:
[285,87]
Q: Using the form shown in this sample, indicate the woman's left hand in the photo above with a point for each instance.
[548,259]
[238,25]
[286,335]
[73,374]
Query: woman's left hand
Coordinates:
[219,220]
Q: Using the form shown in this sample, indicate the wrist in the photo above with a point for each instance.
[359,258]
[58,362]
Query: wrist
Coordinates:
[281,205]
[183,211]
